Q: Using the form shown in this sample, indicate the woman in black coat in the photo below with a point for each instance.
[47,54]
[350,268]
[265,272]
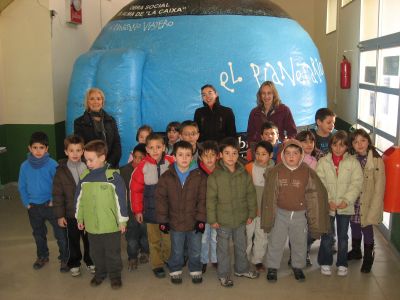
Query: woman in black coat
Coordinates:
[96,124]
[214,120]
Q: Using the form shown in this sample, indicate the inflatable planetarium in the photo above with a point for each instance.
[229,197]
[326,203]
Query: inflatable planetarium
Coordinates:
[153,57]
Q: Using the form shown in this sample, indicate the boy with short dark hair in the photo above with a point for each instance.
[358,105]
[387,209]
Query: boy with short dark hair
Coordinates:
[256,237]
[35,186]
[143,201]
[293,197]
[101,211]
[208,157]
[189,131]
[64,187]
[137,246]
[269,133]
[325,121]
[231,204]
[181,209]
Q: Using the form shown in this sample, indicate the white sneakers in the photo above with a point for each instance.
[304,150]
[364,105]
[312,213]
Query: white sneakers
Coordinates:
[327,270]
[91,269]
[75,271]
[342,271]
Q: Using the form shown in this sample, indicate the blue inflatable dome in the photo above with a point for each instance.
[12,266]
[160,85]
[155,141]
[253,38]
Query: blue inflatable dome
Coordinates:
[152,58]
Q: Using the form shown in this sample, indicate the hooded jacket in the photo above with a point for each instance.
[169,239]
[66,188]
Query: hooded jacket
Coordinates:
[216,123]
[181,206]
[315,196]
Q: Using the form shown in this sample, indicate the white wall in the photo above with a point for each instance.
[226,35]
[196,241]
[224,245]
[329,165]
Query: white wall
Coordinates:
[69,41]
[26,63]
[37,53]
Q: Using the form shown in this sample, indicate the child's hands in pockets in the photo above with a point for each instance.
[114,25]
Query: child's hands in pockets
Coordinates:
[81,226]
[215,225]
[122,228]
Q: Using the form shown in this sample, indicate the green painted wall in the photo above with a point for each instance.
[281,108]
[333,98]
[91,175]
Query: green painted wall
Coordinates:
[395,234]
[16,139]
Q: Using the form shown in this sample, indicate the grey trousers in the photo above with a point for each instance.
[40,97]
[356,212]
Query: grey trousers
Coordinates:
[239,245]
[105,250]
[294,225]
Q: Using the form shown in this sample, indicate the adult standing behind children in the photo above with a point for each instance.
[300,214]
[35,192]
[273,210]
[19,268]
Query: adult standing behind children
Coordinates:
[97,124]
[214,120]
[270,108]
[64,188]
[35,184]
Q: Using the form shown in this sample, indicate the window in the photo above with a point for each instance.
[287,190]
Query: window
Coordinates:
[331,15]
[379,76]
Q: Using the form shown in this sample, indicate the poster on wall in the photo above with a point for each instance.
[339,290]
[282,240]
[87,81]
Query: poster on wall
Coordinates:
[74,11]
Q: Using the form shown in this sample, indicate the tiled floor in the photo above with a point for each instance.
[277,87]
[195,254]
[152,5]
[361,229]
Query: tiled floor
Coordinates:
[19,281]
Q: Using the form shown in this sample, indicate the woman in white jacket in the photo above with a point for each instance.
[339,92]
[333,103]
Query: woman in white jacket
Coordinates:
[342,176]
[369,206]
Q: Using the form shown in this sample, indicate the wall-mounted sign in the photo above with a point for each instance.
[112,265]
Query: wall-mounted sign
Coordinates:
[73,11]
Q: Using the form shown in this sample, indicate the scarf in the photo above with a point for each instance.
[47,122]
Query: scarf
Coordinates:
[37,163]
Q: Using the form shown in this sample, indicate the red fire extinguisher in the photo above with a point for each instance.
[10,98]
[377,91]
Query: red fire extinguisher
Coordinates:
[345,73]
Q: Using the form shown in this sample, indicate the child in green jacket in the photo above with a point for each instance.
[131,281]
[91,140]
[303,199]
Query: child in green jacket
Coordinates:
[101,211]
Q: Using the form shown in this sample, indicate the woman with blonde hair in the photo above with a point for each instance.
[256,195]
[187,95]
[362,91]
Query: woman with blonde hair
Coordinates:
[96,124]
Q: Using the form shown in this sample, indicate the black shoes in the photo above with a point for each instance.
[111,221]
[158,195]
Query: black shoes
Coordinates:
[159,272]
[299,275]
[204,268]
[116,283]
[95,281]
[272,275]
[40,262]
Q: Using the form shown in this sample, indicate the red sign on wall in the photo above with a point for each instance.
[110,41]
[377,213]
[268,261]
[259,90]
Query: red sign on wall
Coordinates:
[74,11]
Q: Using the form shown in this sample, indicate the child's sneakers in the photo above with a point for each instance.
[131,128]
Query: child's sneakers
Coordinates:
[326,270]
[226,282]
[40,262]
[260,268]
[75,271]
[250,274]
[143,258]
[176,277]
[96,281]
[342,271]
[272,275]
[299,275]
[64,267]
[132,264]
[91,269]
[159,272]
[116,283]
[196,277]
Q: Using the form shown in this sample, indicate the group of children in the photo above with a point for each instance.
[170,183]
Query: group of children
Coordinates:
[185,208]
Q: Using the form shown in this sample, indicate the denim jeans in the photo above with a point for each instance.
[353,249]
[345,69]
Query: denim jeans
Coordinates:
[38,214]
[136,237]
[193,241]
[325,255]
[209,245]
